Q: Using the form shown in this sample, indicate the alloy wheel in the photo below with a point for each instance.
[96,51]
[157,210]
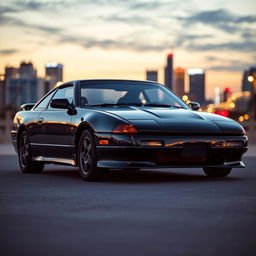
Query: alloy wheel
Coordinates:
[24,151]
[86,154]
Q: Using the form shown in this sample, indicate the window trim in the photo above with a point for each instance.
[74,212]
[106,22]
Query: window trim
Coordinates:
[53,91]
[57,89]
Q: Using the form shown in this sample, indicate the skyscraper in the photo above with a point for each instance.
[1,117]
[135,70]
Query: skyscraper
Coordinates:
[227,93]
[26,70]
[197,85]
[21,88]
[151,75]
[20,91]
[54,72]
[168,72]
[11,72]
[246,85]
[179,81]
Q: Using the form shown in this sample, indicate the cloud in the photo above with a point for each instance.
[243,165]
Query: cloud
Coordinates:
[161,31]
[220,19]
[182,39]
[89,42]
[20,6]
[6,9]
[6,52]
[249,34]
[7,20]
[31,5]
[232,67]
[245,46]
[134,19]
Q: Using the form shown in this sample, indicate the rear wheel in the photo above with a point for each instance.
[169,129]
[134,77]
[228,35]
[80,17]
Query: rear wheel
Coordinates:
[25,156]
[217,172]
[87,158]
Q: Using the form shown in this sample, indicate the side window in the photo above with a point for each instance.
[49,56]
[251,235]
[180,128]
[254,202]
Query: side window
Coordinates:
[43,104]
[63,93]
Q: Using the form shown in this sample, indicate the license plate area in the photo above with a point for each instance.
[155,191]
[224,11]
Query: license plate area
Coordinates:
[195,151]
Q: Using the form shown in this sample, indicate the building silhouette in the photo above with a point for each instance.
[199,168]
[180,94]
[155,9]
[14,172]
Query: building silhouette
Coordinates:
[27,71]
[197,85]
[11,72]
[179,81]
[23,86]
[246,85]
[168,72]
[227,93]
[151,75]
[53,73]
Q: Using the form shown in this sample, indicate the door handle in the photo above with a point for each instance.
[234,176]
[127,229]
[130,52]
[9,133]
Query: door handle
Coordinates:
[40,120]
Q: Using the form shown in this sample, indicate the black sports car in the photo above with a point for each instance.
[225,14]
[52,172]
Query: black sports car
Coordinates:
[106,124]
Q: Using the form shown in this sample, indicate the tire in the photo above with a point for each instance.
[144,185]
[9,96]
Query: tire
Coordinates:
[25,156]
[87,157]
[217,172]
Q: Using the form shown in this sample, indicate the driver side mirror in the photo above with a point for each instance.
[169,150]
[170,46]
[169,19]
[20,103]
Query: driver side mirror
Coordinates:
[27,106]
[60,103]
[194,105]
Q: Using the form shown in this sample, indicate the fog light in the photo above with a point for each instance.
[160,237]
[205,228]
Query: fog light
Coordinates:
[103,142]
[152,143]
[234,144]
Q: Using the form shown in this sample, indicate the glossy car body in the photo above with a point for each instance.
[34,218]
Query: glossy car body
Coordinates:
[164,136]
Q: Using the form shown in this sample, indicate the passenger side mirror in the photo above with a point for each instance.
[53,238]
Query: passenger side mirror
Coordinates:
[27,106]
[194,105]
[60,103]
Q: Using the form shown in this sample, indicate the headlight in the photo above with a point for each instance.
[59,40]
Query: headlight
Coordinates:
[125,128]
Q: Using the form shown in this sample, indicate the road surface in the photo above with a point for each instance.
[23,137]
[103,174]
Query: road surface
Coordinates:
[165,212]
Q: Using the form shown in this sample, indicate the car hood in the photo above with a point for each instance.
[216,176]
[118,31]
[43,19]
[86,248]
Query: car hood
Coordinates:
[177,120]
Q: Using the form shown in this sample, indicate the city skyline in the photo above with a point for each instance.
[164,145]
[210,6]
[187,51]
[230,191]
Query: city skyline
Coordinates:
[115,39]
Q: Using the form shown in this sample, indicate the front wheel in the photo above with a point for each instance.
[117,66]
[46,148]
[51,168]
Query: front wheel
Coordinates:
[87,158]
[217,172]
[25,156]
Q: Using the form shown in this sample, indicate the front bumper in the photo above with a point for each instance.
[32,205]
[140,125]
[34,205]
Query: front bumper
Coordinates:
[171,154]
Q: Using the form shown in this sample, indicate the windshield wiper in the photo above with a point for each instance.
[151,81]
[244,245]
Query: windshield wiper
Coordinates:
[161,105]
[116,104]
[134,104]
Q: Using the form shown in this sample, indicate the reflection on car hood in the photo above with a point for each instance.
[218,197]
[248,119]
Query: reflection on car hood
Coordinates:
[177,120]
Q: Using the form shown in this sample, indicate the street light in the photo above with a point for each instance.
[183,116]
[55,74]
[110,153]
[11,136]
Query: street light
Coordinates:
[250,79]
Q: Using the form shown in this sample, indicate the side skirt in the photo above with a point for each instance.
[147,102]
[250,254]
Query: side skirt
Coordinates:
[52,160]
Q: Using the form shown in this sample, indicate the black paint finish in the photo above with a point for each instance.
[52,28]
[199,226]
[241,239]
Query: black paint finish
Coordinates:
[54,133]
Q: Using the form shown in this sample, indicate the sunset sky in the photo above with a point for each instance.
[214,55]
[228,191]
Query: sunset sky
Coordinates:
[121,39]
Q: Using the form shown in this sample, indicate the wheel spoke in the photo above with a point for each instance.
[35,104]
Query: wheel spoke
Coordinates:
[89,148]
[24,150]
[89,160]
[85,144]
[82,155]
[85,154]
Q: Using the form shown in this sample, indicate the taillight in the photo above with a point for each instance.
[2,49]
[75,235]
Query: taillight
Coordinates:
[125,128]
[222,112]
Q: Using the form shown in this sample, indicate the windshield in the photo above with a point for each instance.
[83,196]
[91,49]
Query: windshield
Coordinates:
[123,93]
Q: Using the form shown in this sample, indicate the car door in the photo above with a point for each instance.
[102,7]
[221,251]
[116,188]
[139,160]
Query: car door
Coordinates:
[55,127]
[34,128]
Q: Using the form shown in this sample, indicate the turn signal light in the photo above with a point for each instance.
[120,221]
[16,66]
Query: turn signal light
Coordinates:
[152,143]
[234,144]
[103,142]
[125,128]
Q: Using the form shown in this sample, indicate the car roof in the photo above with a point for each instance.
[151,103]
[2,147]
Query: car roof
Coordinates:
[107,80]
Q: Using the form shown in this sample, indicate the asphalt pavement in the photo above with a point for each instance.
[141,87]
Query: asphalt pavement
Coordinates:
[161,212]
